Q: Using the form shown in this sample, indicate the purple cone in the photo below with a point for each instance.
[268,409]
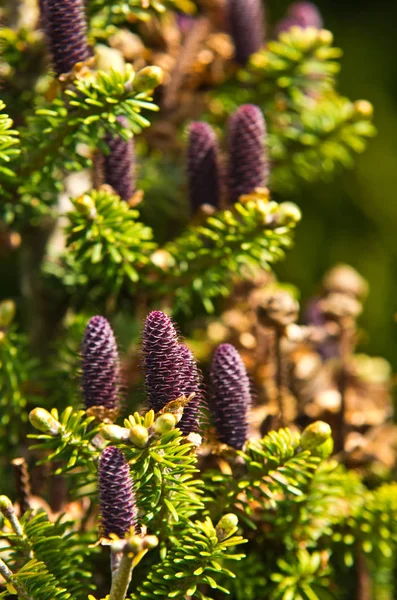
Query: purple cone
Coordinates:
[116,494]
[66,31]
[203,166]
[100,365]
[246,23]
[230,397]
[119,164]
[190,383]
[301,14]
[161,354]
[248,163]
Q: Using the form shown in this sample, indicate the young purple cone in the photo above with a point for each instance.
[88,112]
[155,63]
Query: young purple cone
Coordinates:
[161,360]
[301,14]
[203,166]
[100,365]
[116,494]
[191,382]
[119,164]
[248,164]
[246,24]
[230,397]
[66,31]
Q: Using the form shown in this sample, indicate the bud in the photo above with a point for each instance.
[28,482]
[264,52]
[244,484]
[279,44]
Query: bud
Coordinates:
[139,435]
[226,526]
[6,505]
[289,213]
[7,313]
[165,423]
[315,435]
[119,164]
[324,450]
[246,24]
[66,31]
[148,78]
[364,108]
[85,205]
[108,59]
[248,167]
[42,420]
[230,396]
[203,167]
[115,433]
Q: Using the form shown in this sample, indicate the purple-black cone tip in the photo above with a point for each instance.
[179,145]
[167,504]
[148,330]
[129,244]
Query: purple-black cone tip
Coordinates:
[65,26]
[203,167]
[246,24]
[119,164]
[301,14]
[230,396]
[248,163]
[100,365]
[116,494]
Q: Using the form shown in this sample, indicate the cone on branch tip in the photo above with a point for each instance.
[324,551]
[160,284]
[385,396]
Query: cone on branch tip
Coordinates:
[66,27]
[100,379]
[230,396]
[248,163]
[246,27]
[301,14]
[116,494]
[119,163]
[161,360]
[203,168]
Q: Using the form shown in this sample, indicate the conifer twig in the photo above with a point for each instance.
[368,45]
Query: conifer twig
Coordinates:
[9,577]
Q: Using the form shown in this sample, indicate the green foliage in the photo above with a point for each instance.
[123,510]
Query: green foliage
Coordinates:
[9,146]
[17,370]
[301,577]
[274,470]
[106,243]
[204,260]
[196,558]
[115,11]
[45,542]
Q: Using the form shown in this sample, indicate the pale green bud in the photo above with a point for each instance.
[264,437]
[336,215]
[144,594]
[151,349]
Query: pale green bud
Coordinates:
[324,450]
[115,433]
[148,78]
[165,423]
[7,313]
[289,213]
[42,420]
[226,526]
[6,505]
[315,435]
[139,435]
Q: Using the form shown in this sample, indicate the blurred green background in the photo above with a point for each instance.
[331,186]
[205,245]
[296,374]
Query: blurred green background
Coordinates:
[354,218]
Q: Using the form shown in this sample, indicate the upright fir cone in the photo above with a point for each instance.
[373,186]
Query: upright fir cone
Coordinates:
[203,166]
[248,163]
[66,31]
[230,396]
[116,494]
[119,164]
[301,14]
[161,360]
[246,24]
[100,365]
[191,382]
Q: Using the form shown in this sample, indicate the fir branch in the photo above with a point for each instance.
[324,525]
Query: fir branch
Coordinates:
[106,243]
[195,558]
[205,259]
